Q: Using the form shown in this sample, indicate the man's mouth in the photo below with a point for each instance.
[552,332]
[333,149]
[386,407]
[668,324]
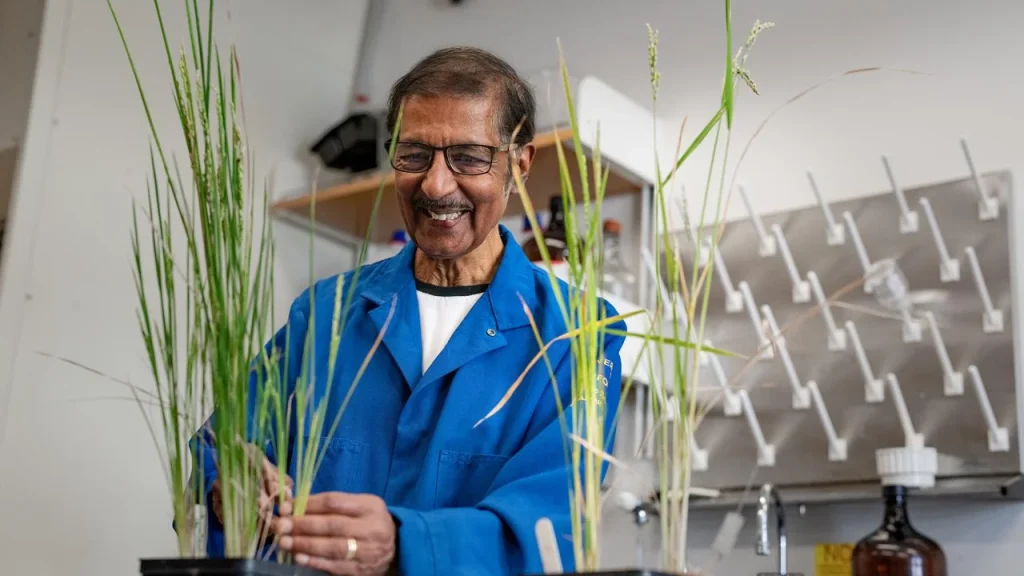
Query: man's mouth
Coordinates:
[446,215]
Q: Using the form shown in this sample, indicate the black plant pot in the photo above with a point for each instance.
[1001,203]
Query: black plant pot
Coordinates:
[221,567]
[621,572]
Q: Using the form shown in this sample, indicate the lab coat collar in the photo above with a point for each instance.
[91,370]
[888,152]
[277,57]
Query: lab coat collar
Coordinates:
[392,286]
[514,279]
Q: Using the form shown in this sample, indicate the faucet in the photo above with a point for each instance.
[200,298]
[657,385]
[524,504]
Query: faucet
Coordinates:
[769,497]
[642,512]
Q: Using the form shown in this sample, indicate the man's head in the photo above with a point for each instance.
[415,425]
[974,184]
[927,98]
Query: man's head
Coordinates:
[470,101]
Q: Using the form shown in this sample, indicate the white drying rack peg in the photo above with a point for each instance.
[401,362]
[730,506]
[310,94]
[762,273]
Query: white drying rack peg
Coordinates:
[755,319]
[911,327]
[698,456]
[949,268]
[911,438]
[998,437]
[767,245]
[836,445]
[992,318]
[801,290]
[649,446]
[874,388]
[765,451]
[908,217]
[733,298]
[730,401]
[988,206]
[639,410]
[858,244]
[801,396]
[953,382]
[834,234]
[836,337]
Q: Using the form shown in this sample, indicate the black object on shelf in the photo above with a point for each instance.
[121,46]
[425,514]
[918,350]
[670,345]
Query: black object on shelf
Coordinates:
[353,144]
[221,567]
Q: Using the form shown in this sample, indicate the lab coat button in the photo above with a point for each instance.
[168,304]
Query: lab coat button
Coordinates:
[491,332]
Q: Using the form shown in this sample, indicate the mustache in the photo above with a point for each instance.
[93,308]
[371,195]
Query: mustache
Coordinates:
[434,205]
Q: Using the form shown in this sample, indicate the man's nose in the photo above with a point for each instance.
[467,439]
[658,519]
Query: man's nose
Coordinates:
[439,181]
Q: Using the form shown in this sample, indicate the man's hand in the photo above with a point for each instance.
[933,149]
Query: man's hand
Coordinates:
[269,490]
[340,534]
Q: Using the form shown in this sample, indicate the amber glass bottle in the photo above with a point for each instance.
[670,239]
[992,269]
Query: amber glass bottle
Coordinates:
[554,236]
[896,548]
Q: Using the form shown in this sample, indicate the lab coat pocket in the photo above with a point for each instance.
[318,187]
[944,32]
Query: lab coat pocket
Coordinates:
[340,468]
[463,479]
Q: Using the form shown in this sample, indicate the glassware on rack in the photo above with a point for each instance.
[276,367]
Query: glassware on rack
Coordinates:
[617,278]
[887,282]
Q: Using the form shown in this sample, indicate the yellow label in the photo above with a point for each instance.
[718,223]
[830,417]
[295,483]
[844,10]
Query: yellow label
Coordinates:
[833,560]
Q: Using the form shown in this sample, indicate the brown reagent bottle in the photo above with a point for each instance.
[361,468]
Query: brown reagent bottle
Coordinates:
[896,548]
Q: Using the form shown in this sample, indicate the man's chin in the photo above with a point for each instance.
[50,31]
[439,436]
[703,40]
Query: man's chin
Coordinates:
[439,248]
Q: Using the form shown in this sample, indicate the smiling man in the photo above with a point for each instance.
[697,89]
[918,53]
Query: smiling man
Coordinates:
[408,484]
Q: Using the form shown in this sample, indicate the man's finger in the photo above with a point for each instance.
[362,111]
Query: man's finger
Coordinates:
[216,497]
[315,546]
[325,525]
[341,503]
[336,567]
[272,479]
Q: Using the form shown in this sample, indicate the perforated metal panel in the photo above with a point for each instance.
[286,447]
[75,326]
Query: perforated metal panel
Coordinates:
[953,424]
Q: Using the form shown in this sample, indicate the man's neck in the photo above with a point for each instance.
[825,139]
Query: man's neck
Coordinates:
[472,269]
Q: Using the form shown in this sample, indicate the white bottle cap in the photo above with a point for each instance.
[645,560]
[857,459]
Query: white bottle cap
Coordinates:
[907,466]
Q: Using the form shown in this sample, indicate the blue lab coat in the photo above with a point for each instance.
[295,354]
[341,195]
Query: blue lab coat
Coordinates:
[466,500]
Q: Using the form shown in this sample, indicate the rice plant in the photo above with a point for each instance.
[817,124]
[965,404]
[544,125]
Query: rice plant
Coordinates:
[584,316]
[675,402]
[204,309]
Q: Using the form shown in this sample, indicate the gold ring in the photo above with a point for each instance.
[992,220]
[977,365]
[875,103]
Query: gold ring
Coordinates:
[352,547]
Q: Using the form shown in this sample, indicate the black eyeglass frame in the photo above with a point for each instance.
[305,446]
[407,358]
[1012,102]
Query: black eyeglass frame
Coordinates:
[444,150]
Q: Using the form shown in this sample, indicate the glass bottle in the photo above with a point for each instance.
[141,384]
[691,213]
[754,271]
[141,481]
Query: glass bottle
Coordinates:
[896,548]
[554,236]
[617,279]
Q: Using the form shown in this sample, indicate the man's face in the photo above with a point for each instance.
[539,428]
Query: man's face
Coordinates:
[449,214]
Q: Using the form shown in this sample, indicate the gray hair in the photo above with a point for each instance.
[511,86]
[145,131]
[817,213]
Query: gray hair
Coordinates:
[465,71]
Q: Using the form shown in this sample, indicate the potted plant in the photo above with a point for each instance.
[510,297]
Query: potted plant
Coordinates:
[203,263]
[676,409]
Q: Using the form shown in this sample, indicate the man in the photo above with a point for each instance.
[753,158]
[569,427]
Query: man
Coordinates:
[407,483]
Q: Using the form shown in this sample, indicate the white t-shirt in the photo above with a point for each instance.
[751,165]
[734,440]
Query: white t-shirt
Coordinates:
[442,309]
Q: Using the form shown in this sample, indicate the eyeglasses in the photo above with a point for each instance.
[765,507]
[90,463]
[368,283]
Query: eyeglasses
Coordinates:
[466,159]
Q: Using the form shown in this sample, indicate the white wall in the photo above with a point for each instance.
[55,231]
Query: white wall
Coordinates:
[967,48]
[82,491]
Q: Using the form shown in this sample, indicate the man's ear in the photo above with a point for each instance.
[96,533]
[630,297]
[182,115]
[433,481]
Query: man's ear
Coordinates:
[524,159]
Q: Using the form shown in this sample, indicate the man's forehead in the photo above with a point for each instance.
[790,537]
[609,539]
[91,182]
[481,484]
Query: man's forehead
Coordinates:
[450,116]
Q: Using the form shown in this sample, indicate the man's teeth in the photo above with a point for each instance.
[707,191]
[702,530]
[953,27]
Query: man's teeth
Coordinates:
[445,215]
